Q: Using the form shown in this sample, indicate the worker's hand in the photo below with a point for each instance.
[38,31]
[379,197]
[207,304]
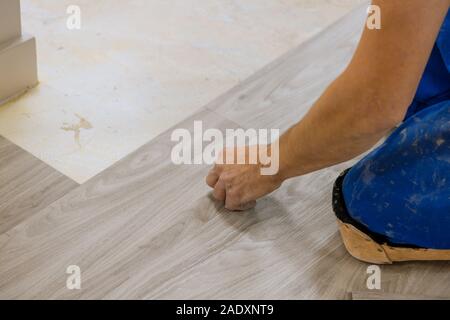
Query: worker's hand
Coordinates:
[240,185]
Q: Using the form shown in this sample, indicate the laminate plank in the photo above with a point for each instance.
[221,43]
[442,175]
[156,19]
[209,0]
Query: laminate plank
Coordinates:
[148,229]
[281,93]
[380,295]
[27,185]
[117,212]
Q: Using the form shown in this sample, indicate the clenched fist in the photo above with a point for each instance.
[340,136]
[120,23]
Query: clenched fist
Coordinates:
[240,185]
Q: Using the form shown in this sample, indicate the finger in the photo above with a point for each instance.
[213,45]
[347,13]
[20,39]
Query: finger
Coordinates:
[219,192]
[232,202]
[212,178]
[249,196]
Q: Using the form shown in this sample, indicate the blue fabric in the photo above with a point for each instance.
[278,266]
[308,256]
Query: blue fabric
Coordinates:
[402,189]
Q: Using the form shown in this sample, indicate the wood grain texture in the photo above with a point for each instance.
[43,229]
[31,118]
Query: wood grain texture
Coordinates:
[148,229]
[281,93]
[27,185]
[380,295]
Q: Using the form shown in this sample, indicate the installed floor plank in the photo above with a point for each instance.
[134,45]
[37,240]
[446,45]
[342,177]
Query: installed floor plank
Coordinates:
[281,93]
[380,295]
[146,228]
[27,185]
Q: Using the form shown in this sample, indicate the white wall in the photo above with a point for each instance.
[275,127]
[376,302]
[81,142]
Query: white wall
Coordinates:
[18,67]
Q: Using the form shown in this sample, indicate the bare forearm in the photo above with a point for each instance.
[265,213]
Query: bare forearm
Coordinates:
[341,125]
[356,110]
[372,95]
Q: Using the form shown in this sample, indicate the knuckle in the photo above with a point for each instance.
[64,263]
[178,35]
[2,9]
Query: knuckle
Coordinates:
[226,177]
[234,196]
[218,195]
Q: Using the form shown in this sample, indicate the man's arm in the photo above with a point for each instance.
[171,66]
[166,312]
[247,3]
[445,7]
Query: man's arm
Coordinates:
[372,95]
[366,101]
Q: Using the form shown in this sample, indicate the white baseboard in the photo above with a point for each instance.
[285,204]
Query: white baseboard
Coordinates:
[18,67]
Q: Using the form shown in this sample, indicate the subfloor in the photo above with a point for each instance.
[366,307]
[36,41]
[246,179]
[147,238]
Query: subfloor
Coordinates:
[145,228]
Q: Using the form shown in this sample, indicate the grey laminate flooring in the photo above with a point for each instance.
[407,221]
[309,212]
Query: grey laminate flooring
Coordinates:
[27,185]
[146,228]
[380,295]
